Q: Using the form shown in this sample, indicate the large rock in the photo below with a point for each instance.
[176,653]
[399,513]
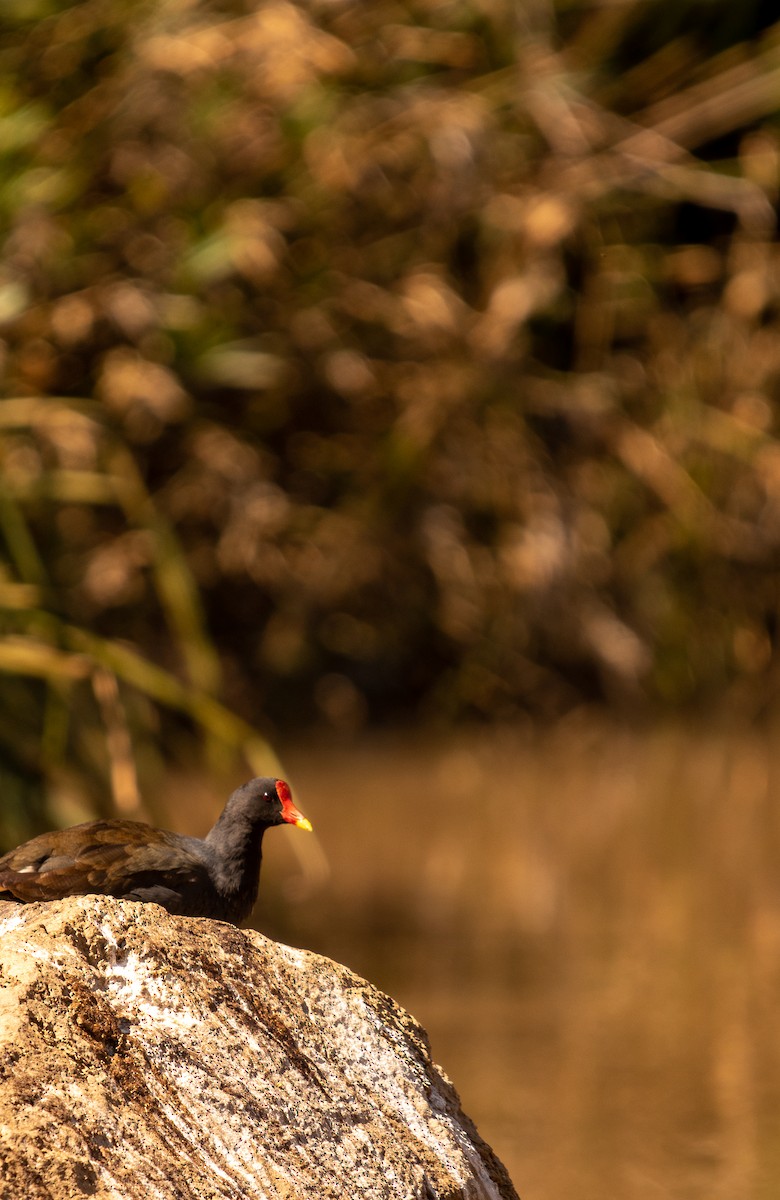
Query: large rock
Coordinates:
[150,1056]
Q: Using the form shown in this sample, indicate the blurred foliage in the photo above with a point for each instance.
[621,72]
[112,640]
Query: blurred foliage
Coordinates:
[382,359]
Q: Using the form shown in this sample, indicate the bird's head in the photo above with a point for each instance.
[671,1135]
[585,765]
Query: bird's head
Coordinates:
[266,802]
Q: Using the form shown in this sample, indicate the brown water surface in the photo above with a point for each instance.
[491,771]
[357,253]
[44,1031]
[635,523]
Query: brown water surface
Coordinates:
[587,922]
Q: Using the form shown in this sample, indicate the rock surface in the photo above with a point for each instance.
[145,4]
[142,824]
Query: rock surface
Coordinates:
[144,1055]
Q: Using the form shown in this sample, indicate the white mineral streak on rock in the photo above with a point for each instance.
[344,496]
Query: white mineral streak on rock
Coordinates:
[14,919]
[153,1057]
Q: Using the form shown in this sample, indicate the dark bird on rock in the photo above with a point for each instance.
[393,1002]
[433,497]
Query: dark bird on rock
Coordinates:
[216,876]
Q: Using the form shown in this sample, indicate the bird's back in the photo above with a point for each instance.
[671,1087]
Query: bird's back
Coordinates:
[119,858]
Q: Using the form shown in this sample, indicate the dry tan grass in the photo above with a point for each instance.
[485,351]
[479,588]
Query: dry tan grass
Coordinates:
[306,307]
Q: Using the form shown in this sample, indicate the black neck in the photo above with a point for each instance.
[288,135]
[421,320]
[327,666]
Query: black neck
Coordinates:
[236,843]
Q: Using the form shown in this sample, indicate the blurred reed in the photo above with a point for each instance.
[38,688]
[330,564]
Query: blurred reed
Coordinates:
[102,742]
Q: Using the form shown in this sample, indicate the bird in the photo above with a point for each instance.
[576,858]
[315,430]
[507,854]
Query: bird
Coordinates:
[216,876]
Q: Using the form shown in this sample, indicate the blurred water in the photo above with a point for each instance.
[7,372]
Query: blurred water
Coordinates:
[587,922]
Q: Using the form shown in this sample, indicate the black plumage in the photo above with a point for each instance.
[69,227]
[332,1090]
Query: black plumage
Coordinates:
[216,876]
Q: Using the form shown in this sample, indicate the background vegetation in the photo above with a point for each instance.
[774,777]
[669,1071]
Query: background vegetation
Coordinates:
[380,361]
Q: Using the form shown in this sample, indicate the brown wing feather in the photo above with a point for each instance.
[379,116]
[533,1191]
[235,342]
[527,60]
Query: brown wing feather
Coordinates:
[99,856]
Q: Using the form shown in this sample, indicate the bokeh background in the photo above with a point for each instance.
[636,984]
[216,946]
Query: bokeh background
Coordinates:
[390,397]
